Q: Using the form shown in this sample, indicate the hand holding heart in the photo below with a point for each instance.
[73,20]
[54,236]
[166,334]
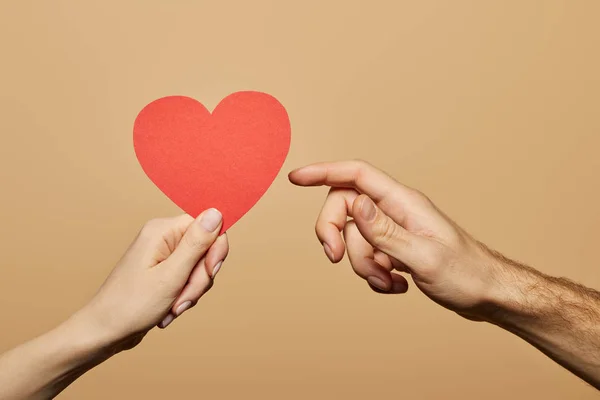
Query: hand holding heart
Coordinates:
[170,265]
[215,166]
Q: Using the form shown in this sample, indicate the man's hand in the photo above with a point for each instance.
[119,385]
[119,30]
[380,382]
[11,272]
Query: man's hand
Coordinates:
[395,228]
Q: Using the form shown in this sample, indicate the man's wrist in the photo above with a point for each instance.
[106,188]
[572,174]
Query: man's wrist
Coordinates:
[512,293]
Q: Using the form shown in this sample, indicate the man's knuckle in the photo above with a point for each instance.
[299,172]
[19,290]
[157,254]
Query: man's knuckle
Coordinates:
[386,233]
[360,164]
[435,261]
[419,195]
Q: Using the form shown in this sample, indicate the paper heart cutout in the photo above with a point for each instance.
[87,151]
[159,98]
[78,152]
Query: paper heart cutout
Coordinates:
[226,159]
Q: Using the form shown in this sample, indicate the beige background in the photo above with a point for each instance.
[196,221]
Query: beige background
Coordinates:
[489,107]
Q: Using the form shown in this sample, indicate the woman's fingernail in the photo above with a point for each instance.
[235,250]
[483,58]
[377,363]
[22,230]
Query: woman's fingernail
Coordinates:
[168,319]
[211,219]
[328,251]
[367,209]
[378,283]
[182,307]
[216,269]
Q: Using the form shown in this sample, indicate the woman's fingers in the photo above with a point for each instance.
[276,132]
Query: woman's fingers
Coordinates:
[199,237]
[216,255]
[200,280]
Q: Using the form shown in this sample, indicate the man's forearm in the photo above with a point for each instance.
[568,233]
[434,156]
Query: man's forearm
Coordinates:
[46,365]
[559,317]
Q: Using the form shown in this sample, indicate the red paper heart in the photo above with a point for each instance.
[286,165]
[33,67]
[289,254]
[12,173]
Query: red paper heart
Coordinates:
[226,159]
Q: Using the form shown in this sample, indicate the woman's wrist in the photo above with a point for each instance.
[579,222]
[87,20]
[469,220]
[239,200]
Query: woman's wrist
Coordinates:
[95,337]
[44,366]
[84,339]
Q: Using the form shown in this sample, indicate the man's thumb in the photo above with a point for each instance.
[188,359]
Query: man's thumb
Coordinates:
[382,232]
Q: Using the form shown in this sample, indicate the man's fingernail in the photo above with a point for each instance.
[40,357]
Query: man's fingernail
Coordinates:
[182,307]
[168,319]
[378,283]
[399,287]
[216,269]
[211,219]
[367,209]
[328,251]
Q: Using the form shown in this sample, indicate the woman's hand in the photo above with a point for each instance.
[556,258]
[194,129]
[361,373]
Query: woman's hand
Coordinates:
[165,271]
[168,267]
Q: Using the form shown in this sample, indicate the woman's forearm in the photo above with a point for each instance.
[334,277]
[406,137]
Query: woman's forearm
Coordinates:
[559,317]
[46,365]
